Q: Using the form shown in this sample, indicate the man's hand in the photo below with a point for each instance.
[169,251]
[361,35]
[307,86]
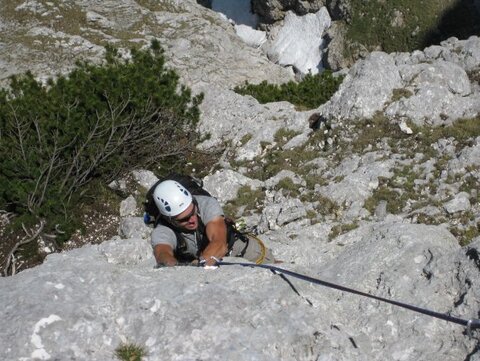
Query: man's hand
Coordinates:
[216,231]
[164,255]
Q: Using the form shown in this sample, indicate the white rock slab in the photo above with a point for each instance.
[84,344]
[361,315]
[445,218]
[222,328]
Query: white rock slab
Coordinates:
[299,42]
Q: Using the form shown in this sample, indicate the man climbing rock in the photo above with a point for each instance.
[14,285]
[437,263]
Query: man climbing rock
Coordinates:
[193,229]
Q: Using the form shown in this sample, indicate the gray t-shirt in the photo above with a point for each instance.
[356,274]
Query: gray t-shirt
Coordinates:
[208,209]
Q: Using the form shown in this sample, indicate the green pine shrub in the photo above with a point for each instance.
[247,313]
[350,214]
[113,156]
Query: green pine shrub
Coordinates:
[310,93]
[92,124]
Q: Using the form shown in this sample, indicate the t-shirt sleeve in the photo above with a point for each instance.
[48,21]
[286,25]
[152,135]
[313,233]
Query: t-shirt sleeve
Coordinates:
[163,235]
[209,208]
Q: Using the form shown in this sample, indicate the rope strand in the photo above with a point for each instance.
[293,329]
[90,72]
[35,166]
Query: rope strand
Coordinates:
[469,324]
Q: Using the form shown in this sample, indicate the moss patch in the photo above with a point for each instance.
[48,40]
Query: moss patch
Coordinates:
[247,199]
[341,229]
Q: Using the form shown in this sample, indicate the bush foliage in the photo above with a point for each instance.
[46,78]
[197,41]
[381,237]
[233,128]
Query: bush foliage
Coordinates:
[91,124]
[310,93]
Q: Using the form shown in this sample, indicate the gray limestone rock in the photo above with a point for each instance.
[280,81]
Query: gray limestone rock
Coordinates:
[82,304]
[367,87]
[252,37]
[241,119]
[298,140]
[460,203]
[144,178]
[273,181]
[437,79]
[444,74]
[441,92]
[381,210]
[131,227]
[468,157]
[118,185]
[224,184]
[465,53]
[90,300]
[128,207]
[435,105]
[291,210]
[334,55]
[281,212]
[199,43]
[357,178]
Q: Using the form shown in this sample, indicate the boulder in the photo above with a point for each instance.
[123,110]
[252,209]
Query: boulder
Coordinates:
[460,203]
[145,178]
[128,207]
[435,86]
[366,88]
[441,93]
[131,227]
[224,184]
[228,116]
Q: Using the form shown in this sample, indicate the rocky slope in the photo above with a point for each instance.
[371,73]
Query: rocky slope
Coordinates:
[48,38]
[363,192]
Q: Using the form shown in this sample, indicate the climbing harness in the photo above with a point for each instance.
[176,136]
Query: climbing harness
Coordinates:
[470,324]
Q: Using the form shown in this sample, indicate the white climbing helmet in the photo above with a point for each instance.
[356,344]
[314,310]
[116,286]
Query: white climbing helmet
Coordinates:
[171,198]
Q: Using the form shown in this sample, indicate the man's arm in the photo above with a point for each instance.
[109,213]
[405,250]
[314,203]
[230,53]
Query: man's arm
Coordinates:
[216,231]
[164,255]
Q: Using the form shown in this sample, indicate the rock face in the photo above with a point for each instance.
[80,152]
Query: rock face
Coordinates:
[230,116]
[82,304]
[437,85]
[357,98]
[199,42]
[313,211]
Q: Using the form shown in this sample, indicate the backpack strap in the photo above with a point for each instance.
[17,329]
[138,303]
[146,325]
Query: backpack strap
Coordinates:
[234,235]
[180,251]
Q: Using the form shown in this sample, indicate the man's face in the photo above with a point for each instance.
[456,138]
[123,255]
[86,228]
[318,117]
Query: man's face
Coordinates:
[188,219]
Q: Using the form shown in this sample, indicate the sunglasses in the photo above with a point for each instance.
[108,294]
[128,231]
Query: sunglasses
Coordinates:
[187,217]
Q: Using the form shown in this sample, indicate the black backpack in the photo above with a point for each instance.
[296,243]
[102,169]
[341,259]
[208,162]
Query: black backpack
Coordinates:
[194,185]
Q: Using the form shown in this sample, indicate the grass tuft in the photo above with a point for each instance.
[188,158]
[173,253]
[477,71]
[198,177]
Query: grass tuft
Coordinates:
[130,352]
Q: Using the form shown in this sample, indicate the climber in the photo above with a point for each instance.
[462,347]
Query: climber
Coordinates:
[192,229]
